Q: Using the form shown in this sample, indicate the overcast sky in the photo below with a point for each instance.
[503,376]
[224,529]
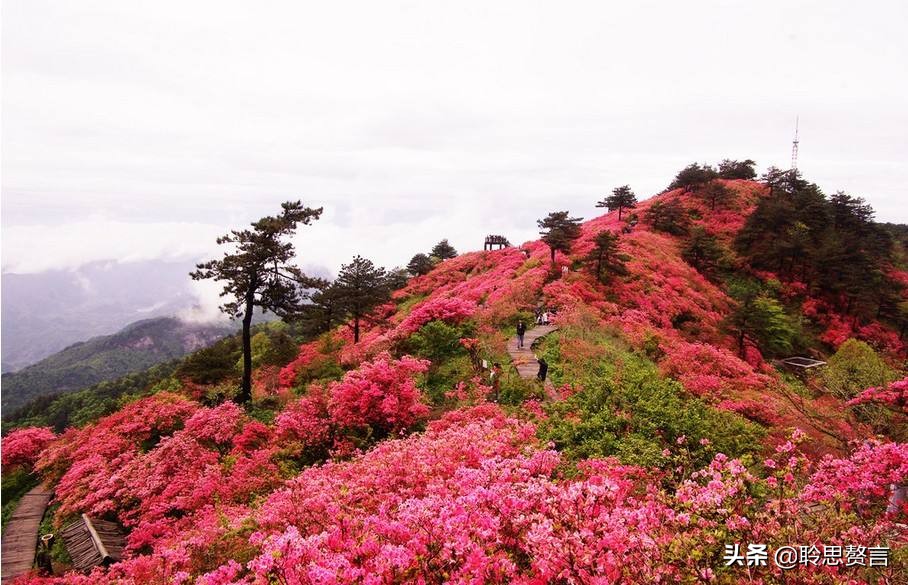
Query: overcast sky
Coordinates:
[136,130]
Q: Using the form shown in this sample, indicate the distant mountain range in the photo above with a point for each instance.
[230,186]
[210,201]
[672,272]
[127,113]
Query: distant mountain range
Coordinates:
[46,312]
[138,346]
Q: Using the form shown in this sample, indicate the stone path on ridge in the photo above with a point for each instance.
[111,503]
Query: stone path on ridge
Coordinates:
[523,359]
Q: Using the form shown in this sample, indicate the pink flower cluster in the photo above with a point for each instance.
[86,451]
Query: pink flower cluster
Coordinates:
[447,309]
[894,396]
[380,396]
[22,447]
[710,371]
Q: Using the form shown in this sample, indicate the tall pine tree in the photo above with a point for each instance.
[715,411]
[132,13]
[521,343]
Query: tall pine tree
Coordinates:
[604,259]
[621,198]
[257,273]
[558,231]
[360,286]
[443,250]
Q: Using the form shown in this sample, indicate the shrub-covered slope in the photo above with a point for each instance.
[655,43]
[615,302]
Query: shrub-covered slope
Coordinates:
[663,435]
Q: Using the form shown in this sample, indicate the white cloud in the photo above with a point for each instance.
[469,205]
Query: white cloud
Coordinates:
[40,247]
[145,130]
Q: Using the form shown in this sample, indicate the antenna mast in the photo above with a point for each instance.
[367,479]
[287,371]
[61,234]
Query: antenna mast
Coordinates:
[794,147]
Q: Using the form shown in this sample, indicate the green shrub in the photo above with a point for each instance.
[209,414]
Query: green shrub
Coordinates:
[14,485]
[638,415]
[437,341]
[853,368]
[623,407]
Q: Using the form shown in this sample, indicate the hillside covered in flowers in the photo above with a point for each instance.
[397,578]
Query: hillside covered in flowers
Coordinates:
[668,430]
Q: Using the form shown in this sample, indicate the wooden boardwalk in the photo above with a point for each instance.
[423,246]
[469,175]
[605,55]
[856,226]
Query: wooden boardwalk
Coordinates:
[20,535]
[523,359]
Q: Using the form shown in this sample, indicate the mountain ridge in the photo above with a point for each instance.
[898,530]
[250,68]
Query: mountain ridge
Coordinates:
[137,346]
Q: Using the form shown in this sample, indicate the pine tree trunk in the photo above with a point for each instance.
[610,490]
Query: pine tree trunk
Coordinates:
[246,390]
[355,329]
[553,254]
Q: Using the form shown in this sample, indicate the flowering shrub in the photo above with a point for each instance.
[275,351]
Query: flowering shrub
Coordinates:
[449,310]
[317,359]
[709,371]
[22,447]
[629,478]
[893,396]
[380,397]
[754,410]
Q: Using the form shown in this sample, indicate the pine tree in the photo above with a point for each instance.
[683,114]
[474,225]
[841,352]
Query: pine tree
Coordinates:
[604,259]
[360,286]
[323,311]
[693,177]
[258,274]
[759,319]
[702,250]
[715,192]
[621,198]
[398,278]
[669,216]
[734,169]
[443,250]
[420,264]
[559,231]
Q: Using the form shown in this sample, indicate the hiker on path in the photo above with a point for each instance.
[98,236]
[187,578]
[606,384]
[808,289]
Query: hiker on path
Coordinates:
[545,317]
[543,369]
[495,379]
[521,330]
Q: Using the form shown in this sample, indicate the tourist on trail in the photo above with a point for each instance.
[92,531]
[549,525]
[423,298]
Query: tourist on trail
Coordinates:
[521,329]
[495,379]
[543,369]
[545,317]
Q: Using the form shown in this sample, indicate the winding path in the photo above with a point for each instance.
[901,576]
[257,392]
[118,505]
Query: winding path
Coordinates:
[20,535]
[523,359]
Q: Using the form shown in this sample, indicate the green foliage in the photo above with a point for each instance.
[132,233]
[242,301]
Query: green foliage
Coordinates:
[443,250]
[703,251]
[735,169]
[360,287]
[693,177]
[669,216]
[420,264]
[854,368]
[621,198]
[271,346]
[604,259]
[324,309]
[514,390]
[830,244]
[133,349]
[14,485]
[443,376]
[558,231]
[761,320]
[625,408]
[58,552]
[257,273]
[78,408]
[212,364]
[397,278]
[437,340]
[636,414]
[715,194]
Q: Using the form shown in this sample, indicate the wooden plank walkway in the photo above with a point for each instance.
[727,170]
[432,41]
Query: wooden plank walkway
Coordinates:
[20,535]
[523,359]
